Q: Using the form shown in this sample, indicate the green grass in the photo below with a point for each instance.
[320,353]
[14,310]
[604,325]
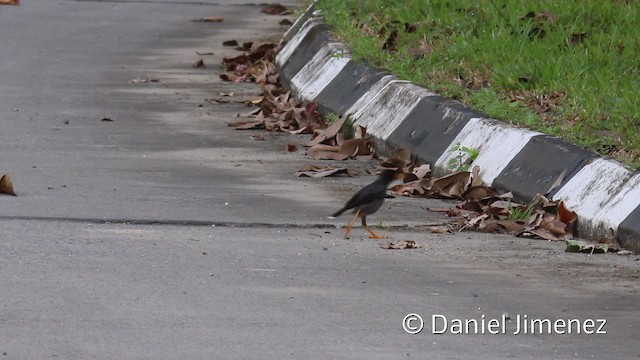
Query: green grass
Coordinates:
[534,71]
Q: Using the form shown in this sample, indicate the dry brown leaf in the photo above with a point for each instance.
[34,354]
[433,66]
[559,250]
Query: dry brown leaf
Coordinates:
[478,192]
[229,77]
[401,245]
[246,125]
[292,148]
[230,43]
[353,147]
[476,180]
[498,208]
[477,222]
[285,22]
[422,171]
[6,186]
[323,147]
[214,19]
[276,9]
[451,185]
[313,171]
[198,64]
[504,226]
[9,2]
[441,229]
[360,132]
[328,133]
[327,155]
[565,215]
[553,224]
[542,234]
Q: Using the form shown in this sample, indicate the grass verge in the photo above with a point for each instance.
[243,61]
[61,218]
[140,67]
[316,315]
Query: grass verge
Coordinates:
[566,68]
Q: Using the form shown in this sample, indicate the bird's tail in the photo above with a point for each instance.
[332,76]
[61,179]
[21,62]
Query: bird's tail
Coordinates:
[339,212]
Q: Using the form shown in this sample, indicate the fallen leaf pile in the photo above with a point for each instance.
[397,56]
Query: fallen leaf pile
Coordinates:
[480,207]
[278,110]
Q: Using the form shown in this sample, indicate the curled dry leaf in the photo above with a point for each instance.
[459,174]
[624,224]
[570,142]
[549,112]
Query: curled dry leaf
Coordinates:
[276,9]
[565,215]
[422,171]
[213,19]
[6,186]
[360,132]
[440,229]
[247,125]
[198,64]
[230,43]
[476,193]
[328,133]
[542,234]
[451,186]
[292,148]
[401,245]
[318,172]
[285,22]
[353,147]
[504,226]
[9,2]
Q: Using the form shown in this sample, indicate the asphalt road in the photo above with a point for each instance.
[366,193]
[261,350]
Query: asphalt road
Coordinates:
[165,234]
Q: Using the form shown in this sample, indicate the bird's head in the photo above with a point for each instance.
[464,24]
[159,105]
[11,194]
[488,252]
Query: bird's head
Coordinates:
[389,175]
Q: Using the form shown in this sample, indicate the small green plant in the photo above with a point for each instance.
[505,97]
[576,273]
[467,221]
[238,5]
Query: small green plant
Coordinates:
[463,159]
[380,224]
[338,54]
[518,213]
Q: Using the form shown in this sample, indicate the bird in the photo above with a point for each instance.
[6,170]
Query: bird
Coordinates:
[368,200]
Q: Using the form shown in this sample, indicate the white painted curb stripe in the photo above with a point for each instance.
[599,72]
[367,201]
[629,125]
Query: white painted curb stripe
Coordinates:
[603,193]
[286,52]
[288,33]
[497,145]
[386,105]
[325,65]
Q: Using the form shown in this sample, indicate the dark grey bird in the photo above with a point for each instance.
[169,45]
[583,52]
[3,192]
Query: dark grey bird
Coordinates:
[368,200]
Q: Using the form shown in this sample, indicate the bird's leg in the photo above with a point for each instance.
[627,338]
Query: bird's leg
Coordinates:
[373,235]
[346,234]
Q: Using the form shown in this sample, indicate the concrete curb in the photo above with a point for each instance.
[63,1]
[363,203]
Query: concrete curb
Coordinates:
[397,113]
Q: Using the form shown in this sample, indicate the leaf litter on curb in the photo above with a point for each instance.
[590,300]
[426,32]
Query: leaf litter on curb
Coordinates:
[479,206]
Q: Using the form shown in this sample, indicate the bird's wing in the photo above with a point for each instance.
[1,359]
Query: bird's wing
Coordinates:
[366,195]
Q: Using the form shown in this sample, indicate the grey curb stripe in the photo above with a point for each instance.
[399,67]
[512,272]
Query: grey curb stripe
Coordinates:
[397,113]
